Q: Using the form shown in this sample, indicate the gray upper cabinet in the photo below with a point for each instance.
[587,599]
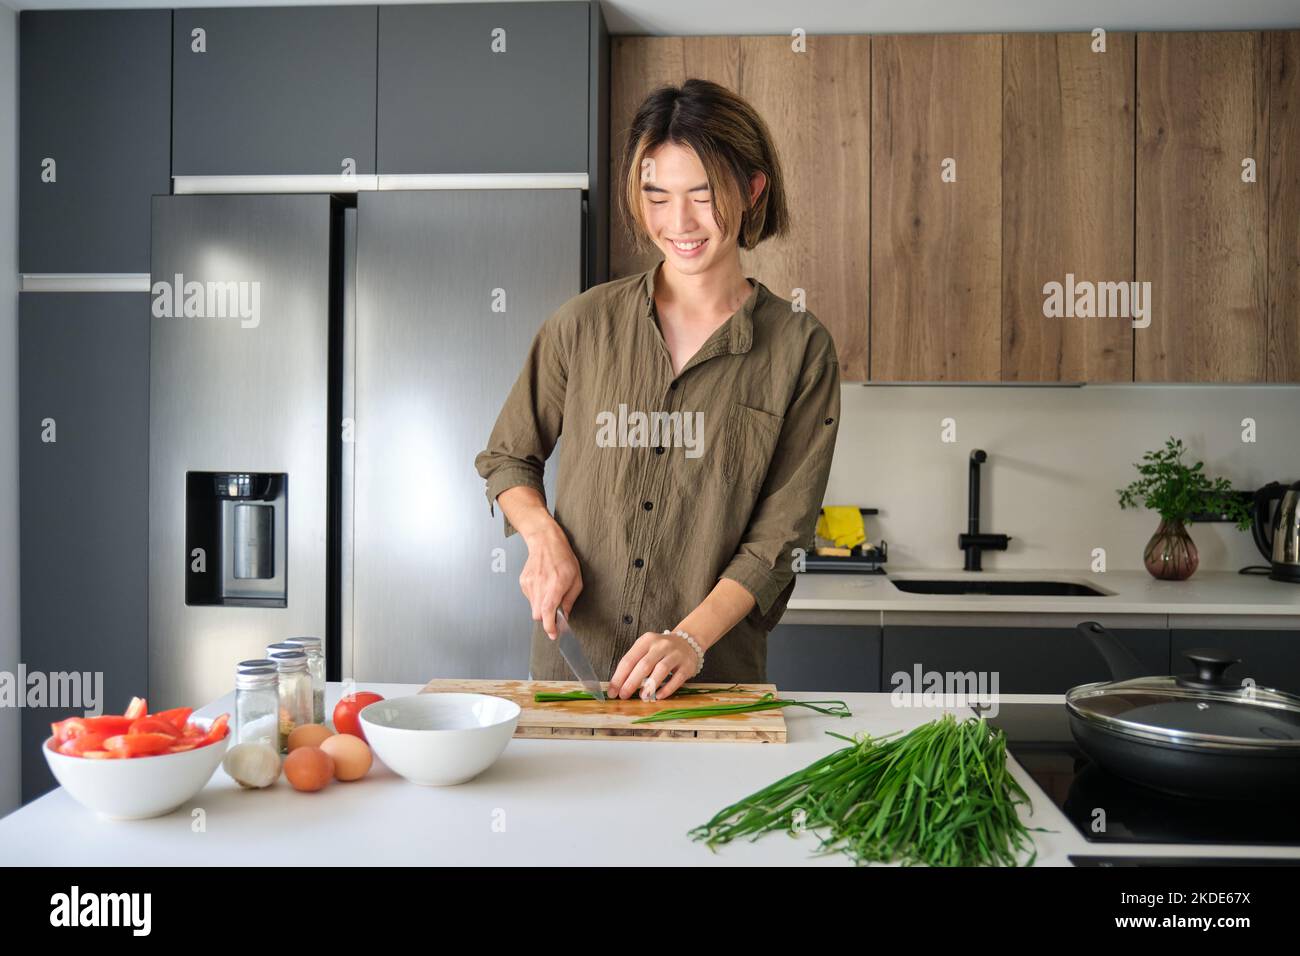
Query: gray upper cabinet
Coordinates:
[274,91]
[483,88]
[94,91]
[83,443]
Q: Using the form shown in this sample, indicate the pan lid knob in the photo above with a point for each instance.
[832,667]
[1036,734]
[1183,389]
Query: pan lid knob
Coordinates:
[1210,663]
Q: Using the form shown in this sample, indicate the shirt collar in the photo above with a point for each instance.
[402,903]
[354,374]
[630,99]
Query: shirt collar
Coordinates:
[742,323]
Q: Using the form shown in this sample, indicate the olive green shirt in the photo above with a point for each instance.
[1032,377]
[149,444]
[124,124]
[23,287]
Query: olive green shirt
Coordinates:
[725,481]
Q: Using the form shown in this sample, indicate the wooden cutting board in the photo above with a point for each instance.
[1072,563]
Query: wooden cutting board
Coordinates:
[578,719]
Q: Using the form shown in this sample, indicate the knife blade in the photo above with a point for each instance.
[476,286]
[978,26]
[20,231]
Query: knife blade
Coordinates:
[575,657]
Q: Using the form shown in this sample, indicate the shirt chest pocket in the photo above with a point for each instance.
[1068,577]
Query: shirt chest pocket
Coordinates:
[749,441]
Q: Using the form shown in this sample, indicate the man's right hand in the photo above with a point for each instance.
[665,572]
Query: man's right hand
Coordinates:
[551,577]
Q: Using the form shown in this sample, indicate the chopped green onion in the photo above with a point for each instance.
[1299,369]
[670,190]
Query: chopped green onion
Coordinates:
[768,701]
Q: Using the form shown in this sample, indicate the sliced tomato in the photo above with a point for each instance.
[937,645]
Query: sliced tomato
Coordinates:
[100,755]
[77,746]
[138,708]
[65,730]
[218,730]
[138,745]
[180,745]
[154,725]
[108,725]
[177,716]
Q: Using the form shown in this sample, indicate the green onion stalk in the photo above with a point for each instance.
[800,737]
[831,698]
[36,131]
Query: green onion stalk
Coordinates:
[768,701]
[940,795]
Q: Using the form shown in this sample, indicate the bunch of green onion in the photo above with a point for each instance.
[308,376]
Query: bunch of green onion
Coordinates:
[941,795]
[768,701]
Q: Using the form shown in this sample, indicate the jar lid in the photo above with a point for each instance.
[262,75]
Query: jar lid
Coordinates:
[261,663]
[1181,710]
[287,661]
[280,646]
[304,641]
[260,677]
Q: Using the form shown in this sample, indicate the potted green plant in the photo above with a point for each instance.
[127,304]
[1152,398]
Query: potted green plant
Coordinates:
[1176,491]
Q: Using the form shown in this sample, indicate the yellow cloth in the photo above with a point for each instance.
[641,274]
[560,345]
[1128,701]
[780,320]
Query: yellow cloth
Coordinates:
[841,524]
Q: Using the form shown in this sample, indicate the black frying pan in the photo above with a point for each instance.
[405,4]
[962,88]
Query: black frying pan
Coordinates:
[1138,727]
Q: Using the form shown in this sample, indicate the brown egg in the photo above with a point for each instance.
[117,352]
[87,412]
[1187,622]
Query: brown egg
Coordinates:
[352,758]
[308,735]
[308,768]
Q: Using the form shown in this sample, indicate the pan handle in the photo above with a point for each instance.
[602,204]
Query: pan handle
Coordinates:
[1123,665]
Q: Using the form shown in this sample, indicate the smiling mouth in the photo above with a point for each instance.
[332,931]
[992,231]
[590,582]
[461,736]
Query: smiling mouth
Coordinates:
[689,246]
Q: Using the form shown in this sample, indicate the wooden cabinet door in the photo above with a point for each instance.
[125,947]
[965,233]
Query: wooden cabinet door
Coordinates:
[815,102]
[1067,205]
[936,245]
[1284,207]
[1202,232]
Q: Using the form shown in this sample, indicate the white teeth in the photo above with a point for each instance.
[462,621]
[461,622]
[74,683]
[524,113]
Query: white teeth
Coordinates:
[688,246]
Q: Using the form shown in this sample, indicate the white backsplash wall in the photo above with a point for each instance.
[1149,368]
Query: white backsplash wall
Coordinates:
[1056,458]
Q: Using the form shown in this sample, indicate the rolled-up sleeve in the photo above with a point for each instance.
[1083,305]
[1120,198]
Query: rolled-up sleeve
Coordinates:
[785,516]
[530,421]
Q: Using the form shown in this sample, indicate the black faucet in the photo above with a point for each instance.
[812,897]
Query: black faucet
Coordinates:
[972,542]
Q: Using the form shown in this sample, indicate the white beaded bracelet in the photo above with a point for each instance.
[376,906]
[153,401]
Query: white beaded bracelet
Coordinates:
[648,689]
[694,646]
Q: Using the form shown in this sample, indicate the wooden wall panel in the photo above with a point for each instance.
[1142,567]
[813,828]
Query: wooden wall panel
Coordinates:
[936,246]
[1067,201]
[816,104]
[1284,207]
[1202,233]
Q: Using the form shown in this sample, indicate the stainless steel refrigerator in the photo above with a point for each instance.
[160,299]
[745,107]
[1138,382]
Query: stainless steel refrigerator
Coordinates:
[321,380]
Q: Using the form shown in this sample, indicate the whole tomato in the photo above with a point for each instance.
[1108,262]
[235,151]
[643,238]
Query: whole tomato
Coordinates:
[346,710]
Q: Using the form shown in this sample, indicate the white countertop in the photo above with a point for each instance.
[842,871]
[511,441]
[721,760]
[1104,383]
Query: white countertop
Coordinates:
[1131,592]
[544,802]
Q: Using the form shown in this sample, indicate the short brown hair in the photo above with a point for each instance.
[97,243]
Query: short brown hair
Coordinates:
[732,142]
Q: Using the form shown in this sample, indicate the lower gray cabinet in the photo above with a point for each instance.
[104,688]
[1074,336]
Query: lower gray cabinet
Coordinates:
[824,657]
[1271,658]
[1027,660]
[83,444]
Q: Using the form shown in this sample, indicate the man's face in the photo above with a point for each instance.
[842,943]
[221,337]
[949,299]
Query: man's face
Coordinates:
[678,208]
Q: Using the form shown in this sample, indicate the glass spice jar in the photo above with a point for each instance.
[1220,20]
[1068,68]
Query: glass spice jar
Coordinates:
[294,685]
[315,652]
[257,703]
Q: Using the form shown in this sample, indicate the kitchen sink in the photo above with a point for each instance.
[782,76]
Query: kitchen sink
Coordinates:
[996,586]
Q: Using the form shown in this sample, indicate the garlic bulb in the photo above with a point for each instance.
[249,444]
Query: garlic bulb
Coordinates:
[252,766]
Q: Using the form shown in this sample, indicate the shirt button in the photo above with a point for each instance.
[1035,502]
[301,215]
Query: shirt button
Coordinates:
[829,420]
[659,449]
[638,563]
[648,506]
[627,618]
[673,386]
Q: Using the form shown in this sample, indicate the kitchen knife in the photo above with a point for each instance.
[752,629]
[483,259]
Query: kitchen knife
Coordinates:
[574,656]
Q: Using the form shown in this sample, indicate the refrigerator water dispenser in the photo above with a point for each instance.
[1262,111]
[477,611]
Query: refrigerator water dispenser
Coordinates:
[235,525]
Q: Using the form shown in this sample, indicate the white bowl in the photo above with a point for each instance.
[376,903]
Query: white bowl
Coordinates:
[134,788]
[437,740]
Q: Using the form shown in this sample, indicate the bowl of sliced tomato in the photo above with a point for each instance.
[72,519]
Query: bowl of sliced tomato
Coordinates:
[135,765]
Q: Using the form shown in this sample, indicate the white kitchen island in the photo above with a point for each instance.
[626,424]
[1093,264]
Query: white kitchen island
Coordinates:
[545,802]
